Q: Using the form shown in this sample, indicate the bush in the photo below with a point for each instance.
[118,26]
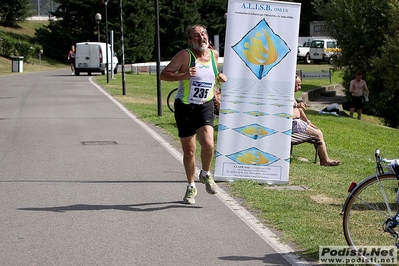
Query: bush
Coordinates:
[13,47]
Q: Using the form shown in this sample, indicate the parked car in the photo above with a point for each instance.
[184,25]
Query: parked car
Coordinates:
[322,50]
[303,52]
[91,57]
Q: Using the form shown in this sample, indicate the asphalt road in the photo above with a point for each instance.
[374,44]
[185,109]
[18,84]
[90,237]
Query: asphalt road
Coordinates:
[83,182]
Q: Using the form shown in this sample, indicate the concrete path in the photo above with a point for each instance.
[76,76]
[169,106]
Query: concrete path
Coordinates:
[320,98]
[83,182]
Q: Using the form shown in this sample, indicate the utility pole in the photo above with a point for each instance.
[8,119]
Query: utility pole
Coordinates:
[123,50]
[158,51]
[106,37]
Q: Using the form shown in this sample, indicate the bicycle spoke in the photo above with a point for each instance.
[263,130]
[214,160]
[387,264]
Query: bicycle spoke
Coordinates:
[368,210]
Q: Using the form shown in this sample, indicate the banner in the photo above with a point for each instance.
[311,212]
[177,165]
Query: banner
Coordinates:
[255,120]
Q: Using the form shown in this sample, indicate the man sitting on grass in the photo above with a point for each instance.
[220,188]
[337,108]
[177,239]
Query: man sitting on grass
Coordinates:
[301,124]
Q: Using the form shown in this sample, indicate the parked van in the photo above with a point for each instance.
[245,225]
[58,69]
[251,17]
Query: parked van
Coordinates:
[321,50]
[91,57]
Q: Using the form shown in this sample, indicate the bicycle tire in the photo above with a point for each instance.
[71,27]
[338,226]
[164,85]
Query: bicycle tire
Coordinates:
[366,211]
[170,100]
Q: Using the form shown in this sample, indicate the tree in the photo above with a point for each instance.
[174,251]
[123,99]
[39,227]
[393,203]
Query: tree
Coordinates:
[213,13]
[13,12]
[308,14]
[139,30]
[368,33]
[75,23]
[174,17]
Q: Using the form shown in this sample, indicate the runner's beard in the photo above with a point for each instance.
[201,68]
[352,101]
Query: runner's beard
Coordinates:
[201,48]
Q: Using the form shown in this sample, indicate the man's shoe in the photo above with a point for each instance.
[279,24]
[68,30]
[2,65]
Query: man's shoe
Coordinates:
[210,185]
[191,192]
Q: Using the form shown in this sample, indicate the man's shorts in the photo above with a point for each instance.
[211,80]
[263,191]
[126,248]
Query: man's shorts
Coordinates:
[190,117]
[299,126]
[356,102]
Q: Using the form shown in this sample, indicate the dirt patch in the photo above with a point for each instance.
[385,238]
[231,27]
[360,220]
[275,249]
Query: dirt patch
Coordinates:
[322,199]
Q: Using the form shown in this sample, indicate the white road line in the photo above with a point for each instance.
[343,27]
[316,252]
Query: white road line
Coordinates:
[268,236]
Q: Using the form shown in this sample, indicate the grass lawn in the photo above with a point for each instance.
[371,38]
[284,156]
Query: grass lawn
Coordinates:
[33,65]
[25,32]
[308,218]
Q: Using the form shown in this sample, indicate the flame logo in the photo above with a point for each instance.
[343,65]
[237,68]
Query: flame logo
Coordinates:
[256,113]
[258,54]
[252,157]
[254,131]
[261,49]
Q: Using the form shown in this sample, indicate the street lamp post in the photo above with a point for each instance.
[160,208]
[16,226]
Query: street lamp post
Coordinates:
[106,36]
[98,19]
[158,58]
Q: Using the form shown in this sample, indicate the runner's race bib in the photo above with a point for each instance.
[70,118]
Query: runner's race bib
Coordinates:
[199,92]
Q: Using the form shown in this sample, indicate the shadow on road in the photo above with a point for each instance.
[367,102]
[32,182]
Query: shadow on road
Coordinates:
[142,207]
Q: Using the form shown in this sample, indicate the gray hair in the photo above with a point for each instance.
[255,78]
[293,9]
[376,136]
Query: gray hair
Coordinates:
[189,28]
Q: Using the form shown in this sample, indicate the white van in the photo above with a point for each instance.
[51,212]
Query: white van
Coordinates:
[321,50]
[91,57]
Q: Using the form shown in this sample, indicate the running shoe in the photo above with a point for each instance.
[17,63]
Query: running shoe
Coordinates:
[191,192]
[210,184]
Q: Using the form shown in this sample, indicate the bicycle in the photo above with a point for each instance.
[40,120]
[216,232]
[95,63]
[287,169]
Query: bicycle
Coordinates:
[371,210]
[170,100]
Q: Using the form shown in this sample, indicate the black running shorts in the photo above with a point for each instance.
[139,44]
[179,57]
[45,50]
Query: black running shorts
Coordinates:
[190,117]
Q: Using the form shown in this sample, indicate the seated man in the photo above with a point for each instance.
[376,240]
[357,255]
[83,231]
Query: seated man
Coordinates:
[301,124]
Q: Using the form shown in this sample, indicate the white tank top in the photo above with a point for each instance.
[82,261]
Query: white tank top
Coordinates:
[199,89]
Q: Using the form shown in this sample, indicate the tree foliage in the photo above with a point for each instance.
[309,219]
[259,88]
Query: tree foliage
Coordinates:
[14,11]
[10,46]
[76,23]
[368,33]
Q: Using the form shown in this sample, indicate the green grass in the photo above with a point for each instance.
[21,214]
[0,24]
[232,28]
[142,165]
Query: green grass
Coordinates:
[34,65]
[25,32]
[308,218]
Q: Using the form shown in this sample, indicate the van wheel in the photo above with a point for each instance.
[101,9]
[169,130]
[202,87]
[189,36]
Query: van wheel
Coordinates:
[116,69]
[103,72]
[77,73]
[307,59]
[89,73]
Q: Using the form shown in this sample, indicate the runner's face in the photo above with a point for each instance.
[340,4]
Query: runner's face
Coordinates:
[199,39]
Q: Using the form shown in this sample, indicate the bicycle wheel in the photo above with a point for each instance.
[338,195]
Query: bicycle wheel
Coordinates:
[170,100]
[366,212]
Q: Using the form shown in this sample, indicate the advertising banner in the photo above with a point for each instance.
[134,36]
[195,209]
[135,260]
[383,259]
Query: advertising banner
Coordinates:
[255,119]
